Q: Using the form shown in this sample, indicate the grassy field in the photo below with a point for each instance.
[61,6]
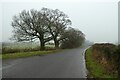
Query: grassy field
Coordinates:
[95,69]
[24,49]
[26,54]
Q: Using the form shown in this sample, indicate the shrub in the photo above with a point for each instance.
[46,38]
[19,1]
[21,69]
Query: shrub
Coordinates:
[109,54]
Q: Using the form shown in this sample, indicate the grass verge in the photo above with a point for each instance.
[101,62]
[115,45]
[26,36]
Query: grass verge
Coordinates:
[26,54]
[0,56]
[95,70]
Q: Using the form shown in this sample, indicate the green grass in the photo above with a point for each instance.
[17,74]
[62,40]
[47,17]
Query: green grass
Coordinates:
[0,56]
[95,70]
[26,54]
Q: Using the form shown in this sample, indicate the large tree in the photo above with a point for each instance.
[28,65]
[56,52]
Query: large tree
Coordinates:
[29,25]
[72,38]
[57,22]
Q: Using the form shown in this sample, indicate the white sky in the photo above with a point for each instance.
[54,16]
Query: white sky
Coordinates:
[97,19]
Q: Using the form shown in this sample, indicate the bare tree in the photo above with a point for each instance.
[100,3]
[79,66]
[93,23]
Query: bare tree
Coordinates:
[57,23]
[29,25]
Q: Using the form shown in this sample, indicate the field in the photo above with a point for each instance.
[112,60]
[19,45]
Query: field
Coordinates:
[22,47]
[26,49]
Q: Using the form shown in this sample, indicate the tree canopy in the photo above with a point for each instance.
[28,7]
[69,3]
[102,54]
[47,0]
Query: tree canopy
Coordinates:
[57,23]
[29,25]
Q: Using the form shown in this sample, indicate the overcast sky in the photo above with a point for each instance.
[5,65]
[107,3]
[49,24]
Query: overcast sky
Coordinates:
[97,19]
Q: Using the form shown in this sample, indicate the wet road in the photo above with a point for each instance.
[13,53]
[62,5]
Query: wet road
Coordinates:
[65,64]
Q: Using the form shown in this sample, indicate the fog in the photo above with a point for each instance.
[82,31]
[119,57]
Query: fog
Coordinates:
[97,20]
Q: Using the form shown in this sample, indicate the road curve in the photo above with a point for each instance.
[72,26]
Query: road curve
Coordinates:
[65,64]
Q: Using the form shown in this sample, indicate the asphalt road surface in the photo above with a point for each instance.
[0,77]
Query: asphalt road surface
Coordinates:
[65,64]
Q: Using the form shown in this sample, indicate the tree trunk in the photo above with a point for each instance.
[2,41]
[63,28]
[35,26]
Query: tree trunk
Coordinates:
[42,44]
[56,43]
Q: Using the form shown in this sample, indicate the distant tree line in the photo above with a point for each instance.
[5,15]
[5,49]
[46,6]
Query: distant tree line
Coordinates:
[46,25]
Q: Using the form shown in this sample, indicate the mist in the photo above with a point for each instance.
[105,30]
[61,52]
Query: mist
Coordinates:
[97,20]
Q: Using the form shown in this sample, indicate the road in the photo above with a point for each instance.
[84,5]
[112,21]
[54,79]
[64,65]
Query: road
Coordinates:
[65,64]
